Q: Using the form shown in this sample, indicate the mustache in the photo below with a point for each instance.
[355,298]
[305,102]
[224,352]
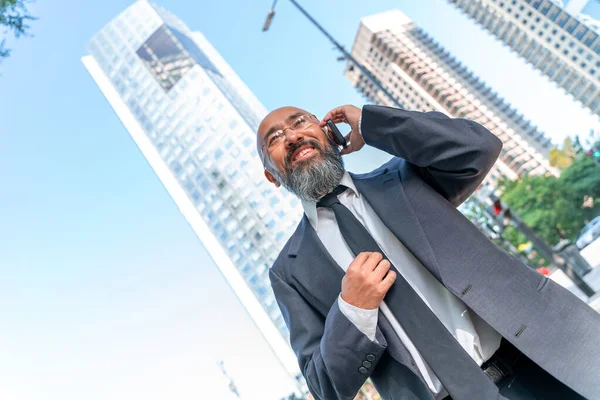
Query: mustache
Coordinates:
[296,146]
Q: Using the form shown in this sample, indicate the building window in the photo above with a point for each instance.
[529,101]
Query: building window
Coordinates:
[581,31]
[165,57]
[590,40]
[572,26]
[544,10]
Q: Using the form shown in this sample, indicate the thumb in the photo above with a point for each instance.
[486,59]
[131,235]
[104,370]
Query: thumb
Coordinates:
[348,149]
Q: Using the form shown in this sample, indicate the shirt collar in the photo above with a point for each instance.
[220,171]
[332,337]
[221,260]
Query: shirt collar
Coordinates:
[310,207]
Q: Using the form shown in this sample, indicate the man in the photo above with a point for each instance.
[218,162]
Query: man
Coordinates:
[384,278]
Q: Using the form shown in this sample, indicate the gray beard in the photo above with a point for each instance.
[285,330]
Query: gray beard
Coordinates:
[312,179]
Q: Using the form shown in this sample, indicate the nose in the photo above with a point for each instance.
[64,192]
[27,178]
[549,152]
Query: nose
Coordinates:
[292,136]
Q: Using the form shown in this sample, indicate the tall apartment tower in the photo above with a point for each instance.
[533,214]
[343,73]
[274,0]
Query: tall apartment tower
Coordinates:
[564,47]
[420,74]
[574,7]
[195,121]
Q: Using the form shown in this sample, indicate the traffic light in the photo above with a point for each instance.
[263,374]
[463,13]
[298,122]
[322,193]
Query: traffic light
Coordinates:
[501,213]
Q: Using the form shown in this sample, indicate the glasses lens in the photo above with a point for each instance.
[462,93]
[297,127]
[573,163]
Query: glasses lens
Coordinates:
[301,122]
[275,140]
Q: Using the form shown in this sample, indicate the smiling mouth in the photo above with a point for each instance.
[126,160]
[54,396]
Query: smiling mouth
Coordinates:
[303,153]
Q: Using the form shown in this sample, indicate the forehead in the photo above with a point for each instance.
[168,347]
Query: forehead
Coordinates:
[278,118]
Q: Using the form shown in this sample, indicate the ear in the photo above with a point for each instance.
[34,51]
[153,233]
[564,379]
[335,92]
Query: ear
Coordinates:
[272,179]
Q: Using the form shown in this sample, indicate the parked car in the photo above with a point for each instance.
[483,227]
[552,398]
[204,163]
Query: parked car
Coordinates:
[589,233]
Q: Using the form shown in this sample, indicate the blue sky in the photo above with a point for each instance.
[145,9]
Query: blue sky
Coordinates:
[105,291]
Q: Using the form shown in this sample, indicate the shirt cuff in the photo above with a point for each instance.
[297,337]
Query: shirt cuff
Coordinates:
[360,125]
[364,320]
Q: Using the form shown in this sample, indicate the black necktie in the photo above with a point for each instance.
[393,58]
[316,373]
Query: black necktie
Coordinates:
[460,375]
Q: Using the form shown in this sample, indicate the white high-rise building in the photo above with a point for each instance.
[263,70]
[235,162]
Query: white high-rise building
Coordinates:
[563,46]
[195,122]
[574,7]
[422,76]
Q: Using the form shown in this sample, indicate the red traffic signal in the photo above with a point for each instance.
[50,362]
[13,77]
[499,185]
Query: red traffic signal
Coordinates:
[497,207]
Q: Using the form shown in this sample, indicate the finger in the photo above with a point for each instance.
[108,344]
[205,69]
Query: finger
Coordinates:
[327,117]
[359,260]
[389,280]
[336,115]
[372,261]
[382,268]
[348,149]
[336,119]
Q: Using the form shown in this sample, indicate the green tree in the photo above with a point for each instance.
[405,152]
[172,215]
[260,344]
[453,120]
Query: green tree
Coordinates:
[556,208]
[564,157]
[14,17]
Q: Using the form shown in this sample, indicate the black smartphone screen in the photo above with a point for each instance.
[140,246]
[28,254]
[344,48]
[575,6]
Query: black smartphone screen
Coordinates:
[337,136]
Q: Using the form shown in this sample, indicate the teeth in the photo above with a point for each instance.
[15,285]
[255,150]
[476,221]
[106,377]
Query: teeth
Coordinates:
[303,153]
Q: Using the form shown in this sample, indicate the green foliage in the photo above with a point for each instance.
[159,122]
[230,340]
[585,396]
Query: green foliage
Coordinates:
[14,17]
[564,157]
[556,208]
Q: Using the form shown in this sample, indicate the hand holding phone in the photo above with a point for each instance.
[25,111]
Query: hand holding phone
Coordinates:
[350,115]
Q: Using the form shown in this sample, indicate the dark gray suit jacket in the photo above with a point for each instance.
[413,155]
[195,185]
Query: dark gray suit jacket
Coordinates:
[438,163]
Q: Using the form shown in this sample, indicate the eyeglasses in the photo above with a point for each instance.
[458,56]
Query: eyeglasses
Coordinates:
[277,138]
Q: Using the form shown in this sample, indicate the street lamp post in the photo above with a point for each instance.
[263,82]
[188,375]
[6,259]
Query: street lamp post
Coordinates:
[345,54]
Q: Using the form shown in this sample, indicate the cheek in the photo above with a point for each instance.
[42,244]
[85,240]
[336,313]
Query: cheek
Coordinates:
[323,140]
[278,159]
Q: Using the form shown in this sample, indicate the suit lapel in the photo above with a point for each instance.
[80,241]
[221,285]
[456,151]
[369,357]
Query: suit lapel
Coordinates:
[318,273]
[314,268]
[385,194]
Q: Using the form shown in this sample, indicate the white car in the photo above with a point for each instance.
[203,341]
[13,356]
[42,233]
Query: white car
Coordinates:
[588,234]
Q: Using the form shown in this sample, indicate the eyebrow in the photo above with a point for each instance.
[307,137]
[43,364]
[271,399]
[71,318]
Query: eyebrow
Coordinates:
[288,119]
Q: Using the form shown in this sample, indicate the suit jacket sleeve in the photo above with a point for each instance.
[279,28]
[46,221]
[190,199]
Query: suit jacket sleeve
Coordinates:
[331,350]
[451,155]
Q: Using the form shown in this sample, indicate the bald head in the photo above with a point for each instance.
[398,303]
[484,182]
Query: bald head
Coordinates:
[276,119]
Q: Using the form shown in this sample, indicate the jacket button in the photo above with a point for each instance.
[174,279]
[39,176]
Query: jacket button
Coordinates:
[370,357]
[367,364]
[363,370]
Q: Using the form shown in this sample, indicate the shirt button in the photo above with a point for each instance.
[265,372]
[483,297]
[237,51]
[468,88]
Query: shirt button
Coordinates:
[370,357]
[367,364]
[363,370]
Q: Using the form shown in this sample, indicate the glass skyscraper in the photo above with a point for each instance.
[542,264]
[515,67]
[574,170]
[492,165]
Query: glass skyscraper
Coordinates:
[195,122]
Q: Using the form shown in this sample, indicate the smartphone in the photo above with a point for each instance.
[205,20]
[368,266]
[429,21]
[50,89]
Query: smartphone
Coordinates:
[336,135]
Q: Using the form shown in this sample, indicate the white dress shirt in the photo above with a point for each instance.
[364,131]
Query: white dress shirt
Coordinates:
[478,338]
